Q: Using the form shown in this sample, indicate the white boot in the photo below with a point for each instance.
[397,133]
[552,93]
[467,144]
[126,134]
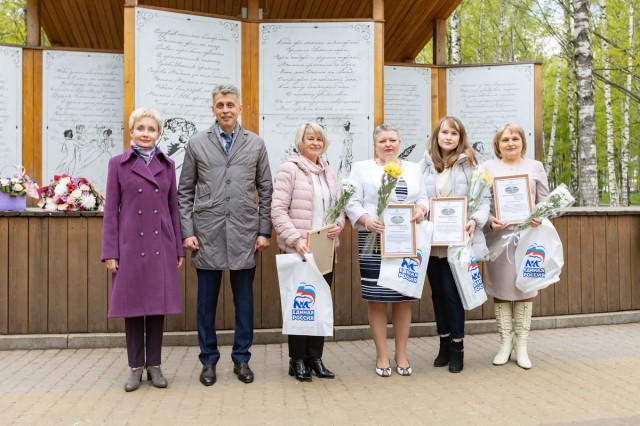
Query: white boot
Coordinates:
[522,319]
[504,318]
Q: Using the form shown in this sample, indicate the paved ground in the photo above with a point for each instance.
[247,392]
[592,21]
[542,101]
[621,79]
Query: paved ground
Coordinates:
[587,376]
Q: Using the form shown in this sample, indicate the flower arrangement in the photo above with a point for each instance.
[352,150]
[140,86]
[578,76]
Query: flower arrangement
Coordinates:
[347,189]
[392,171]
[69,194]
[480,184]
[14,189]
[558,200]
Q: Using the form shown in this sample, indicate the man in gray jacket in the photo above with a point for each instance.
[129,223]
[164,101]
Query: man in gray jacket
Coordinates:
[223,225]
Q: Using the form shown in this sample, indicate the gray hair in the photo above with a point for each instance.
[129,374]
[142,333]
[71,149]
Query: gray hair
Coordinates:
[384,127]
[142,112]
[317,129]
[225,89]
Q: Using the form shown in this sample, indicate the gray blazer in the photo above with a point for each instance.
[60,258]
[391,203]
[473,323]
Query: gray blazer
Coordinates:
[217,196]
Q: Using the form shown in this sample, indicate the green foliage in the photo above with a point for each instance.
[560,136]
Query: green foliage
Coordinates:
[13,28]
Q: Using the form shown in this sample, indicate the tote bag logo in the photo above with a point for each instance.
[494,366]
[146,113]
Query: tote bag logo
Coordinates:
[410,267]
[474,272]
[303,303]
[534,261]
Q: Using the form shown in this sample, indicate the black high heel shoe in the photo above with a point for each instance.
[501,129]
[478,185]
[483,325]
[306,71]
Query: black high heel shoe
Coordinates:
[298,369]
[318,367]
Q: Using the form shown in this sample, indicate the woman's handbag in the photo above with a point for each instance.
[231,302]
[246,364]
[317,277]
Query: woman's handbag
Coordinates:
[541,258]
[466,274]
[305,296]
[406,275]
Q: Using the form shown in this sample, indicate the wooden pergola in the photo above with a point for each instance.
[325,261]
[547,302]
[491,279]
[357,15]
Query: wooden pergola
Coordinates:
[99,24]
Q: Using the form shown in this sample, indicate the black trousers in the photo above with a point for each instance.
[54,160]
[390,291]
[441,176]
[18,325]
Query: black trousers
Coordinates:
[144,340]
[304,347]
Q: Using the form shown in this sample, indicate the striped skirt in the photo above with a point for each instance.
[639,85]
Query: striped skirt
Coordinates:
[369,273]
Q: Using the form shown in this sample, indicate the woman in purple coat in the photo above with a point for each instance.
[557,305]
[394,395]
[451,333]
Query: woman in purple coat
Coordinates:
[142,245]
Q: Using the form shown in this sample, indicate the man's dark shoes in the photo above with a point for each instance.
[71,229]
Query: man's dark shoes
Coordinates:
[245,375]
[208,375]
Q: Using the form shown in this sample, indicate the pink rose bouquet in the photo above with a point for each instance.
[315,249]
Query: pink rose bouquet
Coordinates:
[68,194]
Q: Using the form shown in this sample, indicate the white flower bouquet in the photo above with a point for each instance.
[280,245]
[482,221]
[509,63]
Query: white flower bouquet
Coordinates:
[68,194]
[347,189]
[558,200]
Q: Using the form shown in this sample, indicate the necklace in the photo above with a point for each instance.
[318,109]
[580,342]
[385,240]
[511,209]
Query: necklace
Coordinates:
[377,160]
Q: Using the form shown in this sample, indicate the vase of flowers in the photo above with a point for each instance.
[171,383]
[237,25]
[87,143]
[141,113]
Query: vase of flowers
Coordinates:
[69,194]
[15,188]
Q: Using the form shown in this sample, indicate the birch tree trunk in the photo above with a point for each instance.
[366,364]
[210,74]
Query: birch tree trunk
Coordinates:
[455,37]
[588,184]
[481,34]
[499,56]
[624,164]
[554,121]
[606,61]
[571,100]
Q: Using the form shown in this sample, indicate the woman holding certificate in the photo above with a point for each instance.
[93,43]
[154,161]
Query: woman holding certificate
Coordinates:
[447,169]
[303,189]
[518,184]
[362,212]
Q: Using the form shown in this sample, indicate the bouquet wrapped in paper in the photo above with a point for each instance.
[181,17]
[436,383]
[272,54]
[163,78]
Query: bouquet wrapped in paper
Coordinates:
[347,189]
[558,200]
[15,188]
[68,194]
[392,171]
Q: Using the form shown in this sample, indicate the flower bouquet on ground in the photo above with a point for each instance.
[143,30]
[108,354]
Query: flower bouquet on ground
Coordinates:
[347,189]
[392,171]
[558,200]
[68,194]
[14,189]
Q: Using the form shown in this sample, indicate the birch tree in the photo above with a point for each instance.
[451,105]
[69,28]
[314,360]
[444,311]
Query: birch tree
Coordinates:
[588,183]
[455,37]
[611,163]
[571,101]
[624,166]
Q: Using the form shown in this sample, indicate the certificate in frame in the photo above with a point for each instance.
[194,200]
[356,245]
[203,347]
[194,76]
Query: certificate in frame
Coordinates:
[512,198]
[448,215]
[322,247]
[399,236]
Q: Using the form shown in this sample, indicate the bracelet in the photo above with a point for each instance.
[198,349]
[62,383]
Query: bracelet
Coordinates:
[366,224]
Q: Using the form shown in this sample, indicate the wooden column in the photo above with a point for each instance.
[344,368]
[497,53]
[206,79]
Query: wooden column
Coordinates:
[440,58]
[33,23]
[537,110]
[378,62]
[129,64]
[251,69]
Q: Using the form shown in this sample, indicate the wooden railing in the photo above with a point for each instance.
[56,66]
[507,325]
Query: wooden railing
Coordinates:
[52,280]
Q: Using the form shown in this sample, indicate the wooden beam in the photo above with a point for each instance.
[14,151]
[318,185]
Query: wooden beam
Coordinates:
[129,66]
[378,73]
[250,72]
[537,110]
[33,23]
[378,11]
[253,10]
[439,42]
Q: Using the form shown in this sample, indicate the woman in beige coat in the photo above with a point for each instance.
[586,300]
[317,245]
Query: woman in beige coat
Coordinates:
[512,307]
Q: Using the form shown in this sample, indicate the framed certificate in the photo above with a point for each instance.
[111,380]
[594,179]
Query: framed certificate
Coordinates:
[448,215]
[399,236]
[512,198]
[322,248]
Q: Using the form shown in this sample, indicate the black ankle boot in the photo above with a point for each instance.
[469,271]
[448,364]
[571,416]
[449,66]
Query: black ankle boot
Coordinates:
[456,356]
[318,367]
[443,355]
[297,368]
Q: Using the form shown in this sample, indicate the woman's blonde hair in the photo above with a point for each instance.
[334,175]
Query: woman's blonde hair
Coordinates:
[515,128]
[317,129]
[142,112]
[463,145]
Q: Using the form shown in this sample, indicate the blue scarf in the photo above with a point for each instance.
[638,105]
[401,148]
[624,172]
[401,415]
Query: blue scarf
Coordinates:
[146,154]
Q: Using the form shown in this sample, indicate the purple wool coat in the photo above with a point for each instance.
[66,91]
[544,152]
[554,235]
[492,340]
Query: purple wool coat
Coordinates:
[141,229]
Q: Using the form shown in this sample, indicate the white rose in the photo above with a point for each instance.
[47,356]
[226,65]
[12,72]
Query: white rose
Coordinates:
[76,193]
[85,187]
[17,187]
[4,182]
[60,190]
[62,207]
[65,181]
[51,206]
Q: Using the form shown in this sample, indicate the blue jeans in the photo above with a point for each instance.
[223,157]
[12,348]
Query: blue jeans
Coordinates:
[446,300]
[208,291]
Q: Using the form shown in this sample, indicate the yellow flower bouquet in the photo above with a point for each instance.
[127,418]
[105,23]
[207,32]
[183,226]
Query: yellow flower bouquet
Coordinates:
[392,171]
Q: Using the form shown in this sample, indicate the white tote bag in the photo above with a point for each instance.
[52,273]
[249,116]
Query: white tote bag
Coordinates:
[305,297]
[466,274]
[540,257]
[406,275]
